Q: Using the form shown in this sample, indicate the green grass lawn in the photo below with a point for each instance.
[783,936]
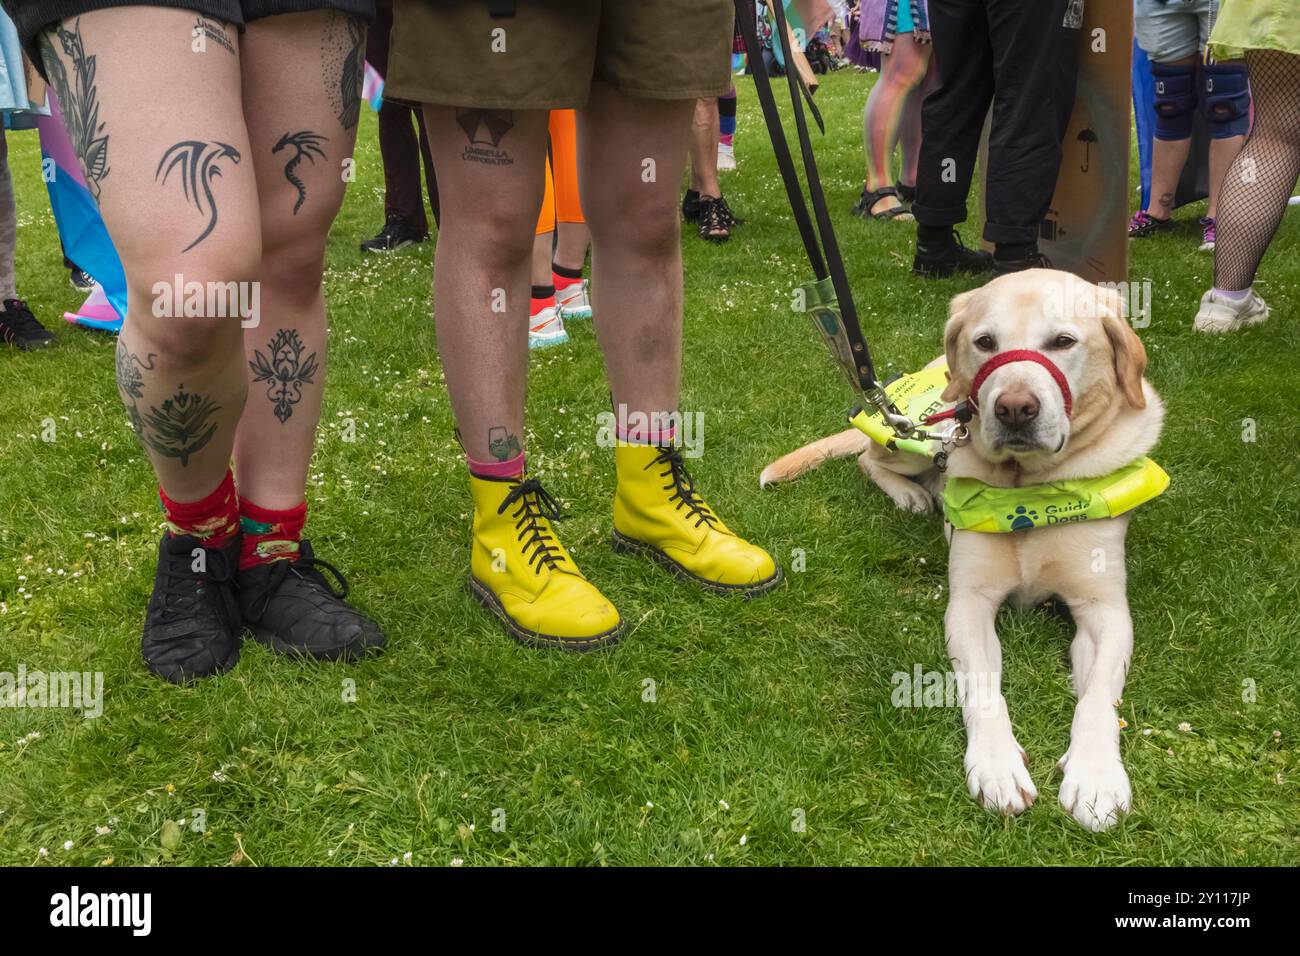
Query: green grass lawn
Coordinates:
[763,712]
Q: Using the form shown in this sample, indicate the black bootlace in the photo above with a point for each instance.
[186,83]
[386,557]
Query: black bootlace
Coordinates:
[306,567]
[186,589]
[682,486]
[535,504]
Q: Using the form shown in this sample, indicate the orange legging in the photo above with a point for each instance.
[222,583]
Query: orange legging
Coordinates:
[560,204]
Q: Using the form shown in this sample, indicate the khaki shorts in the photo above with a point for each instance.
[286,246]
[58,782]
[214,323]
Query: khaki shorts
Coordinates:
[549,52]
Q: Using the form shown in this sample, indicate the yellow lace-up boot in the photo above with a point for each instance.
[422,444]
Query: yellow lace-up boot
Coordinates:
[658,512]
[521,572]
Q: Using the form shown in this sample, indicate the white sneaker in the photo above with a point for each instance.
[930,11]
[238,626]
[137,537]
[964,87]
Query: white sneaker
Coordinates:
[726,158]
[574,300]
[546,328]
[1220,314]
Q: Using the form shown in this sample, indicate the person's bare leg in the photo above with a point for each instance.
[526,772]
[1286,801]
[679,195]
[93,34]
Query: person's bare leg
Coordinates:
[910,135]
[704,148]
[543,242]
[1168,157]
[174,183]
[571,244]
[481,268]
[636,272]
[885,116]
[301,131]
[630,158]
[1222,153]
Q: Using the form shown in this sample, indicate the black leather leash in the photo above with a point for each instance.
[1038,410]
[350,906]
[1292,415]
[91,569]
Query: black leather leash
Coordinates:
[829,300]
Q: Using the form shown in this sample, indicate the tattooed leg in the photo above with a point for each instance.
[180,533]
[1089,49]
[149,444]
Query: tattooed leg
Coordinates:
[490,177]
[181,208]
[299,144]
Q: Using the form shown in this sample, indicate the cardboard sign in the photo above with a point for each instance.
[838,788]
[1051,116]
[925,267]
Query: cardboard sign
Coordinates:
[1085,230]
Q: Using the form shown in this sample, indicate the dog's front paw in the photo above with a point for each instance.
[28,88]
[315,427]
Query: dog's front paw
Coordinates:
[909,496]
[997,777]
[1095,789]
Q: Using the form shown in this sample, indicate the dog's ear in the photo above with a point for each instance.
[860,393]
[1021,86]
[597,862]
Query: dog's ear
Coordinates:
[1130,353]
[960,311]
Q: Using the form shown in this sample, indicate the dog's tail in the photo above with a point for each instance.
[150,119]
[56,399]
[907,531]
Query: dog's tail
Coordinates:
[848,442]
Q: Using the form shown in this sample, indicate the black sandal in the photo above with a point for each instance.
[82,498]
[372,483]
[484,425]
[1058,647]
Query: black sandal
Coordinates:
[715,219]
[692,202]
[870,197]
[906,193]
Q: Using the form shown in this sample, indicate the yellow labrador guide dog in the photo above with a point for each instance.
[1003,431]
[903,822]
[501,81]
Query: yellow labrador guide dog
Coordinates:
[1053,375]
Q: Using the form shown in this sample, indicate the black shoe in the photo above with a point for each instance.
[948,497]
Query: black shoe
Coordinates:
[1037,260]
[81,280]
[691,206]
[18,327]
[396,234]
[291,607]
[191,626]
[939,260]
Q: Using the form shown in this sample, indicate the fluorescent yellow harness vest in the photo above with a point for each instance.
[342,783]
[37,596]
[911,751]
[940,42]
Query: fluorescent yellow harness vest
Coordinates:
[972,505]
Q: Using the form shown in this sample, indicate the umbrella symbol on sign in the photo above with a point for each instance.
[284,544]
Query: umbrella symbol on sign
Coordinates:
[1087,137]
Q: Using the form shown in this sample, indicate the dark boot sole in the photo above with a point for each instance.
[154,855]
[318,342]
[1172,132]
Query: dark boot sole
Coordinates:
[484,596]
[622,544]
[181,679]
[344,652]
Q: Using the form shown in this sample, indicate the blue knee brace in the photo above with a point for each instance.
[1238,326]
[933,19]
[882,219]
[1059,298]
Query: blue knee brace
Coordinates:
[1227,100]
[1175,100]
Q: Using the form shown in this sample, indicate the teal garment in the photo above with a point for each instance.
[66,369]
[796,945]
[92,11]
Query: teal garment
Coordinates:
[905,22]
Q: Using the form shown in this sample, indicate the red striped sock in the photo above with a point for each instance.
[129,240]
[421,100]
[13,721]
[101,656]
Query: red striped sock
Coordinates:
[269,534]
[214,520]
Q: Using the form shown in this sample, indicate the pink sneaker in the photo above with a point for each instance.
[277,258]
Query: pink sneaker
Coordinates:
[1207,234]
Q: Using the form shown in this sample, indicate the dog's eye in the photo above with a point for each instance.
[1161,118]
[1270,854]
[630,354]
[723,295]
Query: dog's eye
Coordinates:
[986,343]
[1063,341]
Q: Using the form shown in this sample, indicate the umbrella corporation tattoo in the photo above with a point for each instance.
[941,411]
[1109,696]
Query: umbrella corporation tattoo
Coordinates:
[78,101]
[178,428]
[343,56]
[213,30]
[197,163]
[304,145]
[285,371]
[484,129]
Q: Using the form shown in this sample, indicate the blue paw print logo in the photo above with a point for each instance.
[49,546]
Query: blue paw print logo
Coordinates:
[1023,519]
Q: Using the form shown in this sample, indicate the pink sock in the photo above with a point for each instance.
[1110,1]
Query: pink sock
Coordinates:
[513,468]
[1237,296]
[660,437]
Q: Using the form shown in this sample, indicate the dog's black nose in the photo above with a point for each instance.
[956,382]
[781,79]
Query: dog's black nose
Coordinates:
[1016,407]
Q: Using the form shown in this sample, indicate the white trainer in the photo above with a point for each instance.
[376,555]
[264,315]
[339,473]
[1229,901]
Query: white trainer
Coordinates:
[546,328]
[1221,314]
[726,158]
[574,300]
